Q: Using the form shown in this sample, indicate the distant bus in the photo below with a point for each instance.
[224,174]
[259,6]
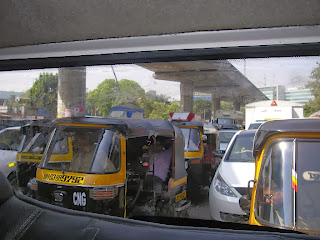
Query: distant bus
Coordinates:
[223,117]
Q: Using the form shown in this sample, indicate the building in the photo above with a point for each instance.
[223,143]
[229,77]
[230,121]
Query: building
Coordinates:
[300,95]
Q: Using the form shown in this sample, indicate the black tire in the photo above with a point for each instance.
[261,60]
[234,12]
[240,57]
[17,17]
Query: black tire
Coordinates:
[193,189]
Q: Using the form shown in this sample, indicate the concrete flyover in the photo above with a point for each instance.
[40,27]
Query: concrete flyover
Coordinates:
[216,77]
[78,33]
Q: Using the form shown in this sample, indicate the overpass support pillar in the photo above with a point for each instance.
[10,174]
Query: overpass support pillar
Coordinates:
[236,105]
[71,92]
[186,96]
[215,106]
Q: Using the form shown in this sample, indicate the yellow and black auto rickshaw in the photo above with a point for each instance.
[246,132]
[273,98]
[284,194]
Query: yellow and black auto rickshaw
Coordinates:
[210,145]
[112,169]
[286,189]
[34,140]
[193,151]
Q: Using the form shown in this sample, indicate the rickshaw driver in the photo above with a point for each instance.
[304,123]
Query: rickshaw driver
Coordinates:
[160,159]
[83,157]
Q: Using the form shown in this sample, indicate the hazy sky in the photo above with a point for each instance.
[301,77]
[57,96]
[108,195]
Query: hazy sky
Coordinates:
[261,72]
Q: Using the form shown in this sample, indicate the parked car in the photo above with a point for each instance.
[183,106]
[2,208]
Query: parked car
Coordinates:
[231,179]
[10,140]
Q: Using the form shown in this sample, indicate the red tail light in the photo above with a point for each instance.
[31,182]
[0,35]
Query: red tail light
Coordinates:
[103,193]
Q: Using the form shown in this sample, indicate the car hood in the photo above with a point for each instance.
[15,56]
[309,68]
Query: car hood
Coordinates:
[237,174]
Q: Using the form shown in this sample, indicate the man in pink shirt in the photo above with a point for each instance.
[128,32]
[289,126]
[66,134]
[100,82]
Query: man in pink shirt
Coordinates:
[160,159]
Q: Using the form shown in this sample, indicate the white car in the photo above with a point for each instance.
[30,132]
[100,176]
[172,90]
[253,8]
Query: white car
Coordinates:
[231,179]
[10,140]
[255,125]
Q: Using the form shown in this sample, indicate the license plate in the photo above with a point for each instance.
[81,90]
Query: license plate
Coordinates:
[180,196]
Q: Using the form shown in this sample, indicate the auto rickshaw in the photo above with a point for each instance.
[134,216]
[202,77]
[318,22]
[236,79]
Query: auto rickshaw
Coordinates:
[110,169]
[193,151]
[34,140]
[210,145]
[286,188]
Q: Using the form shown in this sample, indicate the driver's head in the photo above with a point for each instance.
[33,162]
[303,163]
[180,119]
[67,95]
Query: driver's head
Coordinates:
[82,139]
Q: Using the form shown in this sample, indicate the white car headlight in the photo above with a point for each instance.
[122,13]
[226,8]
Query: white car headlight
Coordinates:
[222,187]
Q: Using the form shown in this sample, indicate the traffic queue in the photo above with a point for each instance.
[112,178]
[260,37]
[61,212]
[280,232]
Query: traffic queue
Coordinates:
[132,167]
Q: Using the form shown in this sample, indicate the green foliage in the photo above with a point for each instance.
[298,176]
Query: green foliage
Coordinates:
[202,108]
[162,110]
[11,101]
[226,105]
[43,93]
[107,95]
[313,105]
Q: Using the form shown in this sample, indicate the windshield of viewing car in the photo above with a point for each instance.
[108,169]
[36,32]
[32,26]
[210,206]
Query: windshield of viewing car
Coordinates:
[157,89]
[191,139]
[93,150]
[241,149]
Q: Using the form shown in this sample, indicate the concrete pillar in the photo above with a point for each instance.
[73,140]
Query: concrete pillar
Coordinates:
[186,96]
[236,105]
[71,92]
[215,105]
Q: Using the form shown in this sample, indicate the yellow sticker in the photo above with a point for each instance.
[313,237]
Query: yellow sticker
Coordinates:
[63,178]
[180,196]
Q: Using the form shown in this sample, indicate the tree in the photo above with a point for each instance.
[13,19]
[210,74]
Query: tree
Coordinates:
[313,105]
[109,94]
[202,108]
[11,101]
[43,93]
[162,110]
[226,105]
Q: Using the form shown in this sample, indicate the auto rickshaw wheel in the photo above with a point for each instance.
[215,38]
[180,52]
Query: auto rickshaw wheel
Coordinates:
[193,189]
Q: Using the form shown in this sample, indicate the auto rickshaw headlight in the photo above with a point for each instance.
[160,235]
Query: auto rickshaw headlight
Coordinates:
[32,184]
[103,193]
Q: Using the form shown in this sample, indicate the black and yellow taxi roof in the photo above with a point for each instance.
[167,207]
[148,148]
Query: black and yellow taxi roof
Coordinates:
[128,127]
[270,128]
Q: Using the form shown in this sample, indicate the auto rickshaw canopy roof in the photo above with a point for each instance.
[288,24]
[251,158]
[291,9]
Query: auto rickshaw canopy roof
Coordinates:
[37,125]
[271,128]
[128,127]
[191,124]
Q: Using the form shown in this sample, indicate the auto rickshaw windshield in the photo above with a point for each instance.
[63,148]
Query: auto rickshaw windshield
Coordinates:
[36,144]
[192,139]
[88,150]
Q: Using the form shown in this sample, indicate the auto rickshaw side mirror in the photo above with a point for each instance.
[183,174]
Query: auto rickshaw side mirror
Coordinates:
[245,204]
[245,201]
